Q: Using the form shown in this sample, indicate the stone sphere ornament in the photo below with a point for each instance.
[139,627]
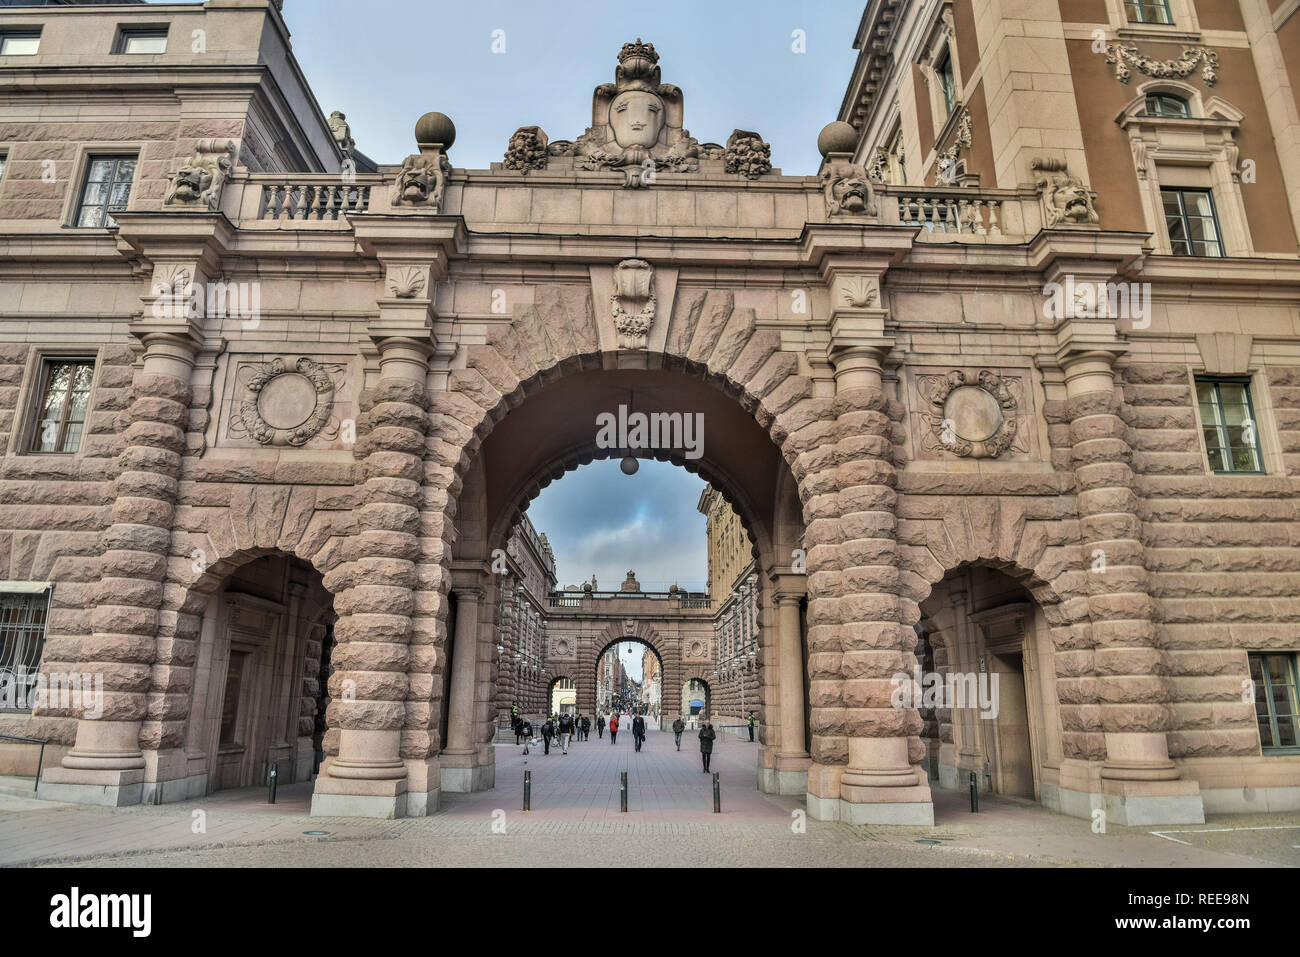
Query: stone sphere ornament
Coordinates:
[435,128]
[629,465]
[837,137]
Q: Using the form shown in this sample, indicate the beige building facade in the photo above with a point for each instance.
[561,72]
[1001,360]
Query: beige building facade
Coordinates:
[1012,383]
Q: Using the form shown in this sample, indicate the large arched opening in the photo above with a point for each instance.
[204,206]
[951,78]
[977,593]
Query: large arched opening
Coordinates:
[552,428]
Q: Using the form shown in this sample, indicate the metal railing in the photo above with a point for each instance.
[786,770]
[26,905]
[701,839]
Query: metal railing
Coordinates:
[40,761]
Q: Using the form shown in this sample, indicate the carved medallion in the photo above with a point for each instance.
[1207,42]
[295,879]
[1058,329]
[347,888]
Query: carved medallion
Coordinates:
[970,419]
[287,407]
[633,303]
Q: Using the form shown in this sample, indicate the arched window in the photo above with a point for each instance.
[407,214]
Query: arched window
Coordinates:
[1167,104]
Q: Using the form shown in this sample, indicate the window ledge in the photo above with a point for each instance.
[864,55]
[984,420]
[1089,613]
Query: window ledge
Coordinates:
[1171,33]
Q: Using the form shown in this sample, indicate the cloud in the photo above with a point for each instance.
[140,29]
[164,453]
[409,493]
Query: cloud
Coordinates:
[600,521]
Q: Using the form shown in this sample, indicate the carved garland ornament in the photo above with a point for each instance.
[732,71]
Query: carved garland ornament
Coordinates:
[287,408]
[972,420]
[1125,59]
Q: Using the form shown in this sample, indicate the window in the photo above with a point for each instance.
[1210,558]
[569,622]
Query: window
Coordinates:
[1166,104]
[1229,425]
[1192,222]
[108,190]
[4,158]
[229,736]
[943,70]
[65,393]
[1148,11]
[20,42]
[1274,678]
[142,40]
[22,641]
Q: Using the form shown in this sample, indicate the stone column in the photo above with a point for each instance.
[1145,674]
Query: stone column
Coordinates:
[106,765]
[792,760]
[463,767]
[882,782]
[1138,782]
[374,598]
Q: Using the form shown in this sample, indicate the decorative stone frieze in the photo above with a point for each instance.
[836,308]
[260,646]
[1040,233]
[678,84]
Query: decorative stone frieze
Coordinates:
[1126,58]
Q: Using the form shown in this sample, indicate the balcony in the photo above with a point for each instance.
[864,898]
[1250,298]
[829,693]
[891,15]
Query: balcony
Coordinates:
[957,214]
[302,200]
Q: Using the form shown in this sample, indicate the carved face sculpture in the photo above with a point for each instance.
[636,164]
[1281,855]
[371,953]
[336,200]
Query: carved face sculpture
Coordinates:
[189,184]
[637,118]
[413,186]
[851,193]
[1073,201]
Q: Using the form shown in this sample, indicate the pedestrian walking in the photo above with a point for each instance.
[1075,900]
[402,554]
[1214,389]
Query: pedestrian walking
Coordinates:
[600,726]
[548,732]
[566,731]
[707,734]
[613,728]
[526,729]
[751,726]
[678,727]
[638,732]
[586,728]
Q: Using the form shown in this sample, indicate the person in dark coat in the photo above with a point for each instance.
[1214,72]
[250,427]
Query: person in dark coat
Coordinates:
[707,734]
[548,732]
[526,729]
[600,725]
[751,726]
[638,732]
[678,727]
[586,728]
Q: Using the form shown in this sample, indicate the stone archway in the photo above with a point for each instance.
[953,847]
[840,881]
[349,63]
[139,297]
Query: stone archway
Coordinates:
[521,433]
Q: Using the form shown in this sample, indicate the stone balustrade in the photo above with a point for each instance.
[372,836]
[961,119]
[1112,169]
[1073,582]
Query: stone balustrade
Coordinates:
[962,214]
[298,198]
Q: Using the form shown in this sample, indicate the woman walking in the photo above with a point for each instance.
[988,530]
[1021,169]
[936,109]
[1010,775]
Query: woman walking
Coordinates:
[707,734]
[613,728]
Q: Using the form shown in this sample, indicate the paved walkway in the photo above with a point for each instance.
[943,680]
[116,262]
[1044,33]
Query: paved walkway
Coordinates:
[575,821]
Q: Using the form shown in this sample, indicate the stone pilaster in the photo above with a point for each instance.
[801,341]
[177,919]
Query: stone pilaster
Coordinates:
[464,766]
[790,774]
[375,601]
[106,765]
[1138,783]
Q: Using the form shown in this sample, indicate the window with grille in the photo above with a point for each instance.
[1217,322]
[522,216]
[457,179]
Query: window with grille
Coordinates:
[1229,425]
[1275,678]
[1192,222]
[22,641]
[1148,11]
[108,190]
[65,395]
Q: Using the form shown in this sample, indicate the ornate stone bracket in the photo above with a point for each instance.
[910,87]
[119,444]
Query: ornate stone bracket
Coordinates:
[199,182]
[971,419]
[407,282]
[1126,58]
[284,407]
[633,303]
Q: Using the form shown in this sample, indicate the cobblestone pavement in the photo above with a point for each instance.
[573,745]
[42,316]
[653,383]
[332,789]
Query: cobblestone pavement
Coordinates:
[575,821]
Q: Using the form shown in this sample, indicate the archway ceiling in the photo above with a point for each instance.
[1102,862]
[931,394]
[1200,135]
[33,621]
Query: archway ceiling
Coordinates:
[556,427]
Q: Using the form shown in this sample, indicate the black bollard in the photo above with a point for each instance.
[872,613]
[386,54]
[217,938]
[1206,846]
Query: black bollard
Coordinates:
[717,794]
[622,791]
[528,790]
[974,794]
[270,797]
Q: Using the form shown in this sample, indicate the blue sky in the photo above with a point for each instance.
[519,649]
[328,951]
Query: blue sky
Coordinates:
[733,60]
[600,521]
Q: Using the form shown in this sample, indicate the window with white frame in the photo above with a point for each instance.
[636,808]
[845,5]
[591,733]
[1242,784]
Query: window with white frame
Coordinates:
[1148,11]
[20,42]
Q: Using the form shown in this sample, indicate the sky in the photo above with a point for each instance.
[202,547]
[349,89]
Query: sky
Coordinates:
[600,521]
[386,62]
